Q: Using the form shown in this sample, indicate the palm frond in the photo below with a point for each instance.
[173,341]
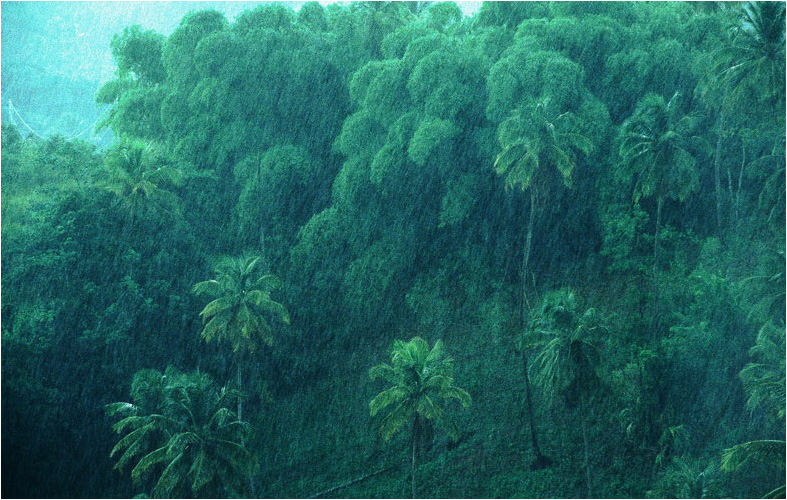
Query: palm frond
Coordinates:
[455,392]
[765,451]
[268,282]
[395,394]
[169,478]
[384,371]
[146,463]
[395,420]
[214,307]
[209,287]
[217,326]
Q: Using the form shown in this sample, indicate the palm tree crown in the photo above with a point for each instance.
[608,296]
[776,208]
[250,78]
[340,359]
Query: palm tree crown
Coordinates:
[182,430]
[139,177]
[754,58]
[566,359]
[535,138]
[654,150]
[243,299]
[421,378]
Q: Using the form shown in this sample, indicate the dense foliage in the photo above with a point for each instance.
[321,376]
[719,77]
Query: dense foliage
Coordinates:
[580,206]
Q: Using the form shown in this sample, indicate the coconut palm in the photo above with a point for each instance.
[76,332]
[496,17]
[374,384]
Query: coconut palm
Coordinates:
[238,312]
[566,362]
[754,57]
[764,383]
[421,380]
[140,178]
[654,145]
[538,144]
[180,430]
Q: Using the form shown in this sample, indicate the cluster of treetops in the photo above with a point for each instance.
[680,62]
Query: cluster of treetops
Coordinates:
[582,202]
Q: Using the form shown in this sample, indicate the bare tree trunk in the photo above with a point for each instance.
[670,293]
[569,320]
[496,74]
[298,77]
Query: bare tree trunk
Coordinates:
[354,481]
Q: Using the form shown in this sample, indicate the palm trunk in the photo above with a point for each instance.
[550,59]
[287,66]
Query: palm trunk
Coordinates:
[415,440]
[587,452]
[656,285]
[240,388]
[541,460]
[740,185]
[526,253]
[717,161]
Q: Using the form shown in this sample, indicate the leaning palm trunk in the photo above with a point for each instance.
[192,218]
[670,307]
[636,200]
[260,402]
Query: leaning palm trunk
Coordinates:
[542,461]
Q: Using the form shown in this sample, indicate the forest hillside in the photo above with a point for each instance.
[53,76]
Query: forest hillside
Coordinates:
[384,249]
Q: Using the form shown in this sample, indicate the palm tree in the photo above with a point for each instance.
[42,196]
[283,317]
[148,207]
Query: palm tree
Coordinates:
[764,383]
[140,177]
[566,361]
[653,146]
[687,477]
[242,302]
[535,143]
[182,431]
[751,64]
[754,57]
[420,379]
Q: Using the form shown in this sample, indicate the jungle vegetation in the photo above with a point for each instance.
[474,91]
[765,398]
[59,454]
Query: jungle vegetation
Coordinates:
[380,249]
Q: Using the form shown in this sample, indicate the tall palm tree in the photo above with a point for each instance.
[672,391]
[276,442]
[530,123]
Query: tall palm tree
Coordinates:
[421,379]
[566,362]
[537,143]
[238,312]
[654,144]
[181,431]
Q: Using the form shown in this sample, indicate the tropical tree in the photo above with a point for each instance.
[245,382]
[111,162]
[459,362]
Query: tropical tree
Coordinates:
[179,429]
[566,361]
[748,69]
[538,143]
[141,178]
[238,312]
[754,57]
[764,383]
[421,379]
[654,146]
